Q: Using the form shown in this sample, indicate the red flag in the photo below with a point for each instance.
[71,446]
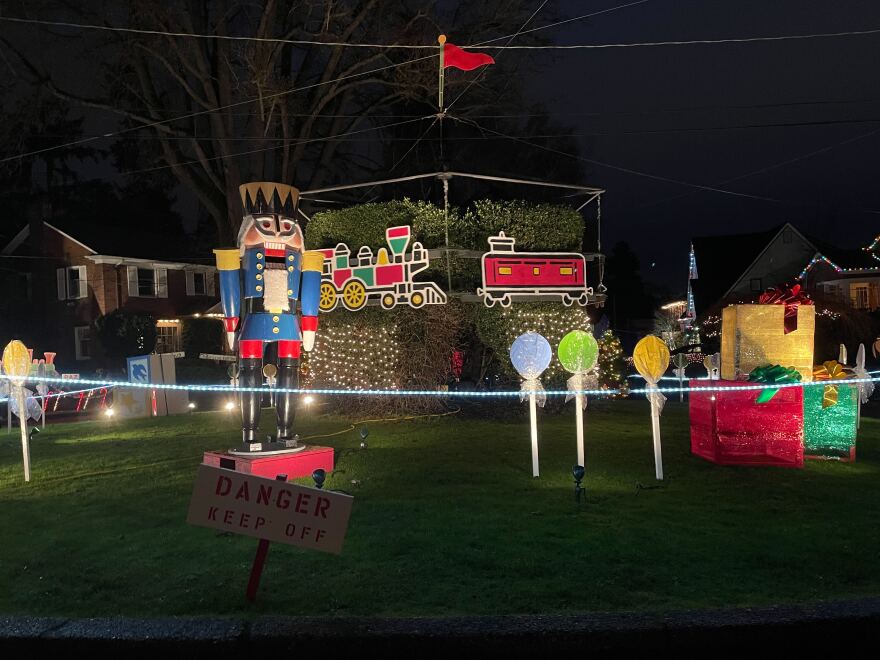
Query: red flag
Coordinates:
[461,59]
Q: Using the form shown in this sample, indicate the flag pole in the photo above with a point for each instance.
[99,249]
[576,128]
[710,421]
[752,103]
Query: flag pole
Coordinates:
[442,78]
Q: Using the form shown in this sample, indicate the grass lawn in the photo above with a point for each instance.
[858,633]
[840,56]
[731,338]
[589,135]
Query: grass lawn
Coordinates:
[447,520]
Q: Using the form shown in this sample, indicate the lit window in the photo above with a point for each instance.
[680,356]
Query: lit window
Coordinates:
[566,270]
[536,270]
[167,337]
[504,270]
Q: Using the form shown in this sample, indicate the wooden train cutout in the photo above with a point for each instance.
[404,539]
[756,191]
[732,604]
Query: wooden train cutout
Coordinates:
[508,274]
[354,281]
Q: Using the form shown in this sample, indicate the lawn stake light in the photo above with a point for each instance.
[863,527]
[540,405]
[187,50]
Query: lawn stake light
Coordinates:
[16,365]
[866,387]
[577,471]
[578,352]
[681,362]
[364,432]
[651,359]
[530,355]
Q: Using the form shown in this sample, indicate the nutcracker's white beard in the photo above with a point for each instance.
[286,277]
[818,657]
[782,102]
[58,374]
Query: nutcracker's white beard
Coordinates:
[275,298]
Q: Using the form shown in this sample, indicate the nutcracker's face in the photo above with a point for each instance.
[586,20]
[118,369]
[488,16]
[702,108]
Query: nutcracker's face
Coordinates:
[275,234]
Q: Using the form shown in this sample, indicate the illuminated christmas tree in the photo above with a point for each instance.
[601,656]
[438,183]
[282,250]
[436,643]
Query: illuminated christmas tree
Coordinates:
[612,368]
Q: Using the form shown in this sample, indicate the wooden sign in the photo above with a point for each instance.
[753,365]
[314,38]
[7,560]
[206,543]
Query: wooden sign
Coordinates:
[269,509]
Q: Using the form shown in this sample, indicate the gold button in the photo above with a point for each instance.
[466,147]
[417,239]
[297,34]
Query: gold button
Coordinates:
[275,319]
[259,277]
[290,292]
[275,331]
[290,257]
[259,288]
[259,255]
[290,268]
[259,266]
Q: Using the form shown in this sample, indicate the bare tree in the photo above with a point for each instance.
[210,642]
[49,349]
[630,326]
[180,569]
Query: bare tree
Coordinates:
[219,111]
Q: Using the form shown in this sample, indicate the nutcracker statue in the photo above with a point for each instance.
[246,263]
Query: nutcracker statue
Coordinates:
[260,284]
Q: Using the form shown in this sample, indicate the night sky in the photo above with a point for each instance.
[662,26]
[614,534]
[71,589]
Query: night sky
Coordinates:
[704,114]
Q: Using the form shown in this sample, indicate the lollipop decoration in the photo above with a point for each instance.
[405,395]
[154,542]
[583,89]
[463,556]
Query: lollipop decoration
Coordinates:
[651,358]
[16,365]
[866,387]
[530,355]
[578,352]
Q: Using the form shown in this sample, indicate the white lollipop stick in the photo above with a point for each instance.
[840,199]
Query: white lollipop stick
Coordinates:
[25,445]
[655,428]
[533,414]
[579,422]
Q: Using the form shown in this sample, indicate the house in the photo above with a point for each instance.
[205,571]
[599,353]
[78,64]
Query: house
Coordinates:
[59,280]
[741,266]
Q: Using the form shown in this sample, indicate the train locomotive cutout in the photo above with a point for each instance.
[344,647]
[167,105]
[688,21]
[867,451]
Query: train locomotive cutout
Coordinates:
[354,281]
[508,274]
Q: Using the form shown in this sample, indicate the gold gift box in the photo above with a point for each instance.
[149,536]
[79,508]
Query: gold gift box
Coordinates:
[754,335]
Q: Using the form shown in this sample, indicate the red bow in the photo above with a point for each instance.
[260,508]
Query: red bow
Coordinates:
[791,297]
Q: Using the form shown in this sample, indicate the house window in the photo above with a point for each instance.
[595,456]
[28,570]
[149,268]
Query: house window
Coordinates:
[82,337]
[72,283]
[167,337]
[199,283]
[755,284]
[144,282]
[860,296]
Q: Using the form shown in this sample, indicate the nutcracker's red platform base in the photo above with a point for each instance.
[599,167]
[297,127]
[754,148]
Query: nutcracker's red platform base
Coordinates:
[297,464]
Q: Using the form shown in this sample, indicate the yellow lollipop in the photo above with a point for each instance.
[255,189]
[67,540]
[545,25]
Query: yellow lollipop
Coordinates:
[16,361]
[651,358]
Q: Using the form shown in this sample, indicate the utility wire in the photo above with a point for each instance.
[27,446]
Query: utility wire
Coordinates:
[274,148]
[210,110]
[347,44]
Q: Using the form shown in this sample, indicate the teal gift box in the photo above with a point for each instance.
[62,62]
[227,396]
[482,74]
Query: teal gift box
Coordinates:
[831,432]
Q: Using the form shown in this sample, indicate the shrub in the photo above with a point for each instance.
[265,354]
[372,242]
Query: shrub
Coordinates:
[122,334]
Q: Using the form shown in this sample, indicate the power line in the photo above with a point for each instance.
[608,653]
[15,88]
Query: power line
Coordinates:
[691,42]
[640,131]
[618,168]
[483,71]
[221,37]
[255,151]
[348,44]
[210,110]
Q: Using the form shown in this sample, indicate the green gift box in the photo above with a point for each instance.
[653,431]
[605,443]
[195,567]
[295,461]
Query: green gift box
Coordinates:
[830,432]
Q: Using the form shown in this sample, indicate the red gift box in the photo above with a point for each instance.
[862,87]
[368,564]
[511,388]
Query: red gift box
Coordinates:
[729,428]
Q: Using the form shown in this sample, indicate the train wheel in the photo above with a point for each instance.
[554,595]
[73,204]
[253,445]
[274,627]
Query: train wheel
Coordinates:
[354,295]
[388,301]
[417,299]
[489,300]
[583,300]
[567,300]
[327,300]
[505,300]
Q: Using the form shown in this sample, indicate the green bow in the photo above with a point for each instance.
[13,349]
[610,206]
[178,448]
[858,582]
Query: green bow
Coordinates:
[776,374]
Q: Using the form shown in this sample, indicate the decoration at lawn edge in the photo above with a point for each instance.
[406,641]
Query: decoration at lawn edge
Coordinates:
[651,359]
[16,365]
[866,388]
[508,274]
[578,352]
[530,355]
[354,281]
[680,360]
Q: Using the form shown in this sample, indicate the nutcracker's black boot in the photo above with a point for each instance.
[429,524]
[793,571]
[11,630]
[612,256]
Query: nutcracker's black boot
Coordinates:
[288,378]
[250,375]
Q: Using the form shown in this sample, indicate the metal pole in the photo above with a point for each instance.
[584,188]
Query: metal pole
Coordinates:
[441,76]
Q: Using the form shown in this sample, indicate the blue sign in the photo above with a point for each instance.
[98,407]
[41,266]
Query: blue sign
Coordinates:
[139,369]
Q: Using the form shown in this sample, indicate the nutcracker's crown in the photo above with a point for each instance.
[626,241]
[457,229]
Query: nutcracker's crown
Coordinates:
[267,197]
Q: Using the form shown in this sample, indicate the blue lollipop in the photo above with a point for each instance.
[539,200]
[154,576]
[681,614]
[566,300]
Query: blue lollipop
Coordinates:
[530,355]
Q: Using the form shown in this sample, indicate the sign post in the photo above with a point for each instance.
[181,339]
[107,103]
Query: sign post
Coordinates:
[269,510]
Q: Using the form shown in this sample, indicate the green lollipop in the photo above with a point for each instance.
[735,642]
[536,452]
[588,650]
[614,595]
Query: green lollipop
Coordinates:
[578,351]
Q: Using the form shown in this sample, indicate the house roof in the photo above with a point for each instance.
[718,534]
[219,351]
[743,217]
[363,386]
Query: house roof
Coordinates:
[721,261]
[844,257]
